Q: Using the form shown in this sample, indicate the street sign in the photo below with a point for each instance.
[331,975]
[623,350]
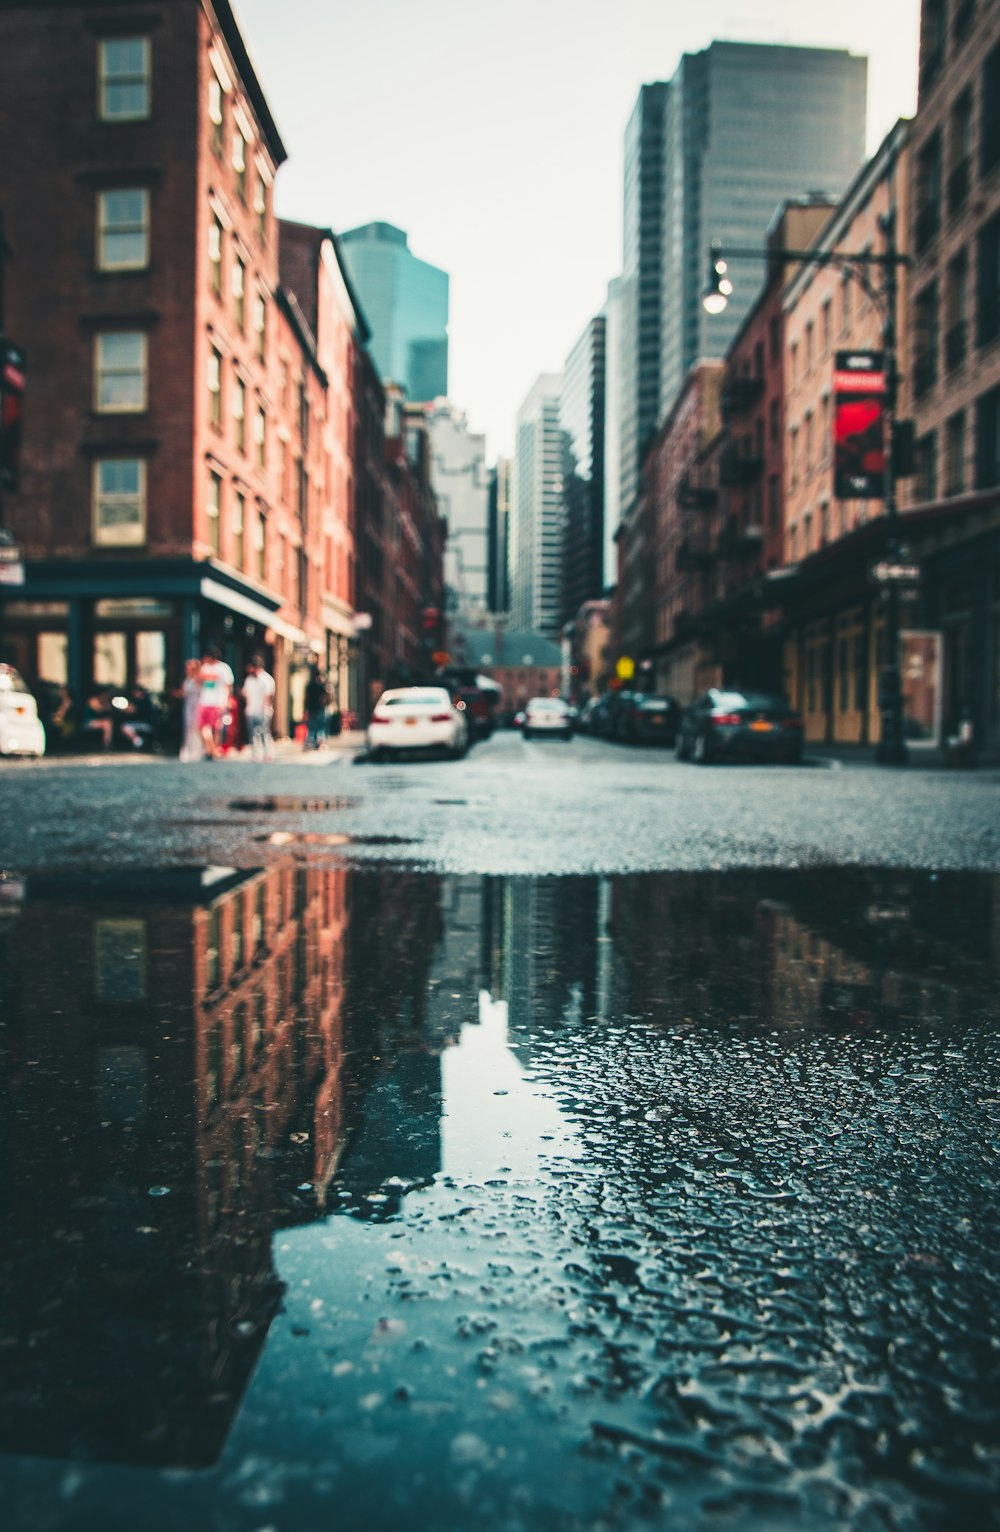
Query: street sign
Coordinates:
[895,572]
[11,574]
[10,553]
[625,669]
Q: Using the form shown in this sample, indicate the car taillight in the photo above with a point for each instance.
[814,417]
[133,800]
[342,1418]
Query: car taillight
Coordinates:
[380,718]
[726,718]
[793,721]
[440,718]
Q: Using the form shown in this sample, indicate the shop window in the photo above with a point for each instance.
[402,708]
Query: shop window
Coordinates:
[119,502]
[110,660]
[53,658]
[124,78]
[123,229]
[151,662]
[120,961]
[120,372]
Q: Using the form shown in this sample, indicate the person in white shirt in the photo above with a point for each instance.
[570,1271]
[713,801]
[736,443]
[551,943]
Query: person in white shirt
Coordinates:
[216,681]
[258,696]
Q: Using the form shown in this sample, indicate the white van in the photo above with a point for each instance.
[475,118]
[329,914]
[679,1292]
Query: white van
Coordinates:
[21,731]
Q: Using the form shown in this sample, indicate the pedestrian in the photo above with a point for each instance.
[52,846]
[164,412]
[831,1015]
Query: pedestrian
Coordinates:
[140,721]
[258,697]
[316,698]
[192,748]
[216,685]
[97,717]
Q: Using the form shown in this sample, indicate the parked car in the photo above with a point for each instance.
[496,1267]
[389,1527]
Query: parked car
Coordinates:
[417,718]
[618,705]
[21,731]
[754,725]
[547,715]
[651,719]
[588,715]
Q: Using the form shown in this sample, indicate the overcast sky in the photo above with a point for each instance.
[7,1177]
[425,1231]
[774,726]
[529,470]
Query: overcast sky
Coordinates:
[492,131]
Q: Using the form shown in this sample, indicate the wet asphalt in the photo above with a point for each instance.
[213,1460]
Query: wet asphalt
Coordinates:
[565,1138]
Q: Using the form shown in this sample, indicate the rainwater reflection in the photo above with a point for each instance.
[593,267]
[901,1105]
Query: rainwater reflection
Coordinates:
[570,1200]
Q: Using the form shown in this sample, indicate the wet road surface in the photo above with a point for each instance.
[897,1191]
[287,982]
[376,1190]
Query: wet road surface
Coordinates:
[361,1197]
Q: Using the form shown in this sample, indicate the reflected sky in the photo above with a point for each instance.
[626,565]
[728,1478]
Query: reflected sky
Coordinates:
[574,1201]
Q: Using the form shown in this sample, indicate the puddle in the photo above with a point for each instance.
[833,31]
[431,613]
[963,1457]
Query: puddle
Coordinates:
[404,1200]
[278,804]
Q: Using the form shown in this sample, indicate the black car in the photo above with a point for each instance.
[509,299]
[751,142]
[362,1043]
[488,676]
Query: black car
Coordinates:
[651,719]
[759,726]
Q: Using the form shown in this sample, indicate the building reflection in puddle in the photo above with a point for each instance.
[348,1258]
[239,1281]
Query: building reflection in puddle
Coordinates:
[195,1059]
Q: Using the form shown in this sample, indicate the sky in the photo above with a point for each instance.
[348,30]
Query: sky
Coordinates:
[492,132]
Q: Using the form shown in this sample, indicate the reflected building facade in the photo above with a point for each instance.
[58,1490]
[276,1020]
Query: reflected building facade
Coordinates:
[406,304]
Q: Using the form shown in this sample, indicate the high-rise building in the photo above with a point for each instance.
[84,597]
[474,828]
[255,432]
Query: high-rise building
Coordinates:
[536,511]
[745,126]
[641,283]
[581,421]
[497,584]
[406,304]
[613,385]
[460,482]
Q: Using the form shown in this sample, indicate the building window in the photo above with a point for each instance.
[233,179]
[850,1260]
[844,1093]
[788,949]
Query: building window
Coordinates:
[957,301]
[240,163]
[239,525]
[926,478]
[774,421]
[988,308]
[925,347]
[215,113]
[260,207]
[215,255]
[794,369]
[793,457]
[260,326]
[213,511]
[775,339]
[773,503]
[120,372]
[125,78]
[845,303]
[260,436]
[809,348]
[240,413]
[960,149]
[988,440]
[826,442]
[928,192]
[119,503]
[214,387]
[238,281]
[954,454]
[827,326]
[989,96]
[123,229]
[809,442]
[260,546]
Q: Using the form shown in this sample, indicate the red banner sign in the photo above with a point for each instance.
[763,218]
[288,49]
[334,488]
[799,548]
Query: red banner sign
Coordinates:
[859,425]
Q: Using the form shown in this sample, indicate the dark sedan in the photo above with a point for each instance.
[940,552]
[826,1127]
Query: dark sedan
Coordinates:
[758,726]
[651,720]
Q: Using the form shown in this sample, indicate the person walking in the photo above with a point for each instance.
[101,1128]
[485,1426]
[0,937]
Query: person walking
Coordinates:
[315,700]
[216,680]
[258,697]
[192,748]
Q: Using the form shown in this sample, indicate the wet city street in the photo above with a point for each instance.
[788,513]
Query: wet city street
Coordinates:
[562,1138]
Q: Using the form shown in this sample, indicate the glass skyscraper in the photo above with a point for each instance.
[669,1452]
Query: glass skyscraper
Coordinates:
[405,301]
[581,421]
[536,511]
[641,292]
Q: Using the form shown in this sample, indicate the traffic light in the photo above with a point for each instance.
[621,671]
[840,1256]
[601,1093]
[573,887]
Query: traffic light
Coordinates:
[12,381]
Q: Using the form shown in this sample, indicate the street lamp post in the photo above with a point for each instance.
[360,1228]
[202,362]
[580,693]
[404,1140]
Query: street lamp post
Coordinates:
[891,749]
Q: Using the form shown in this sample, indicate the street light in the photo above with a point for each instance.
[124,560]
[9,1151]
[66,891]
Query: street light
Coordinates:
[891,749]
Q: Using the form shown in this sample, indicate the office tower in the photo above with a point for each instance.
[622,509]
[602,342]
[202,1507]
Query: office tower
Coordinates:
[581,421]
[536,512]
[641,283]
[497,587]
[613,385]
[459,480]
[745,126]
[406,304]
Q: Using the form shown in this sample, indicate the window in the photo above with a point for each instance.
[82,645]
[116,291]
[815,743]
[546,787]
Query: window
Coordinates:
[214,387]
[260,436]
[988,315]
[775,339]
[240,163]
[239,523]
[826,443]
[215,255]
[960,148]
[958,296]
[123,229]
[925,313]
[124,78]
[809,442]
[213,511]
[845,304]
[926,454]
[260,207]
[827,326]
[238,281]
[954,454]
[989,96]
[119,505]
[260,326]
[215,112]
[794,457]
[120,372]
[809,347]
[774,420]
[239,413]
[794,363]
[260,546]
[988,440]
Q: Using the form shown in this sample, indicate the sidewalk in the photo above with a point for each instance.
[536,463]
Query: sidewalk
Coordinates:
[336,746]
[921,758]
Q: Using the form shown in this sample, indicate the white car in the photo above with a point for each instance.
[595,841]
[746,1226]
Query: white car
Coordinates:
[417,718]
[548,715]
[21,731]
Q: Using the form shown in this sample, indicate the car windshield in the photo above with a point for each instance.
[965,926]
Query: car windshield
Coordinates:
[749,700]
[10,681]
[411,698]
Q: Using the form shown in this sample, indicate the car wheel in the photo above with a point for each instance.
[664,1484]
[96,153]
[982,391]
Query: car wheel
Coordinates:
[525,733]
[702,751]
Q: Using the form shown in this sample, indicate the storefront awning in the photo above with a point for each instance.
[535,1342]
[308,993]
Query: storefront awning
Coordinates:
[235,601]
